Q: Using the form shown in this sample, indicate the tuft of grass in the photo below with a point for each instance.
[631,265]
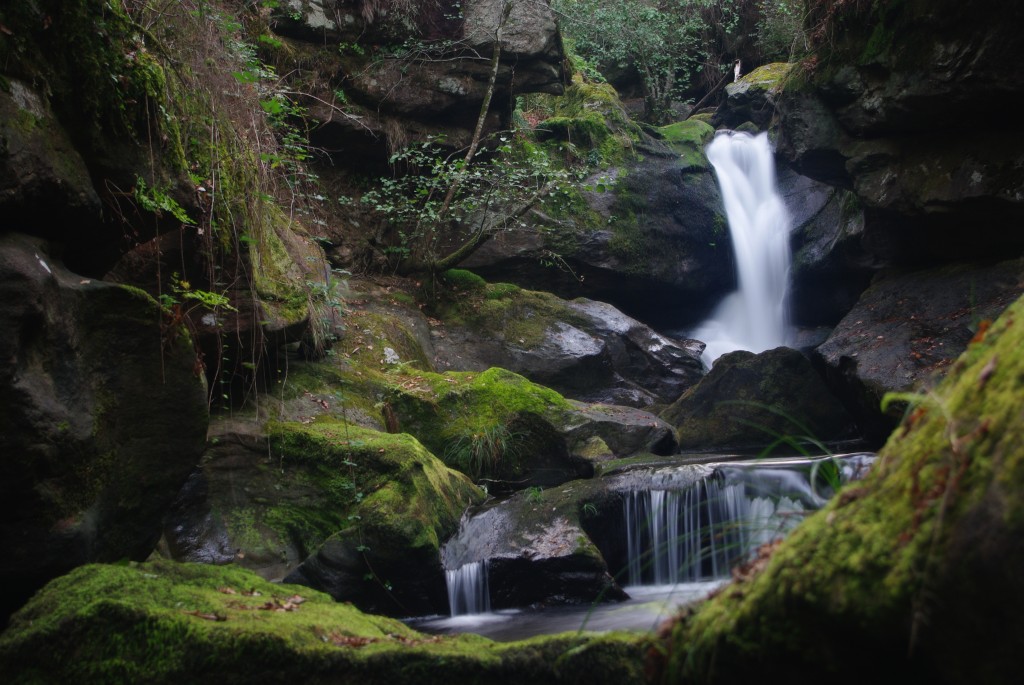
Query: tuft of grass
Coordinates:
[482,452]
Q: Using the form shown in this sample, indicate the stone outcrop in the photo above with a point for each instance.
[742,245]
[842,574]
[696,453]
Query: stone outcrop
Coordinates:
[893,112]
[356,513]
[658,225]
[909,327]
[752,400]
[753,98]
[584,349]
[103,414]
[425,65]
[831,264]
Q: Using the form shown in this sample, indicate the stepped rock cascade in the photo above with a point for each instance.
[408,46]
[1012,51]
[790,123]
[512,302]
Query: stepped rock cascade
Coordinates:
[700,533]
[755,317]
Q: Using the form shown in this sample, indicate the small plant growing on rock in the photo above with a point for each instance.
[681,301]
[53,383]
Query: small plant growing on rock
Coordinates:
[482,452]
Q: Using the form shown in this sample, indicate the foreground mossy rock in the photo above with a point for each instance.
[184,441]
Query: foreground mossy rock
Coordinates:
[103,414]
[164,622]
[753,400]
[353,512]
[917,567]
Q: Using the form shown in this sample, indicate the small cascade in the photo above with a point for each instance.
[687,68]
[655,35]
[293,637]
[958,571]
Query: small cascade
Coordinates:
[700,533]
[753,318]
[467,589]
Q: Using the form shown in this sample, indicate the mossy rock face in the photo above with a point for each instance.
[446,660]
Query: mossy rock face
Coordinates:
[354,512]
[917,565]
[688,139]
[103,415]
[494,424]
[100,123]
[752,100]
[164,622]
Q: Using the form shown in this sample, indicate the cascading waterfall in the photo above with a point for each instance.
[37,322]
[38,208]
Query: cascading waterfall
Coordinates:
[753,318]
[700,533]
[467,589]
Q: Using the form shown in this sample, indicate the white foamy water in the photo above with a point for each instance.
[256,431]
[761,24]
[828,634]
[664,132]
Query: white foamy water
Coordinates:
[755,317]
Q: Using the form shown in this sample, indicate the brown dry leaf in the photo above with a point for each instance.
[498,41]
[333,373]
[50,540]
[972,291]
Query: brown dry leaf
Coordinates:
[227,590]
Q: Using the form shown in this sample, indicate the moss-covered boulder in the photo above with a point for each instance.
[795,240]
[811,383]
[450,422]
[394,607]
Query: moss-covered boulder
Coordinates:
[754,97]
[103,413]
[916,566]
[500,427]
[165,623]
[688,138]
[354,512]
[402,504]
[585,349]
[753,400]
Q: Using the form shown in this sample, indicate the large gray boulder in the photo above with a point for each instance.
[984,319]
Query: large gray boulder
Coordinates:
[103,414]
[582,348]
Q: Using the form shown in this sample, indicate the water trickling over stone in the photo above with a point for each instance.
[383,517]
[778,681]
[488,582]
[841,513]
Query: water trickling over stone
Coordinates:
[467,589]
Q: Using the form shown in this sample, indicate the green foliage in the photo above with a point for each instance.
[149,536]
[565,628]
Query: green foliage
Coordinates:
[437,198]
[183,289]
[157,202]
[780,31]
[665,42]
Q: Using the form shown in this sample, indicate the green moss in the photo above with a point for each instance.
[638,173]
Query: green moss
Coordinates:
[441,408]
[499,291]
[461,279]
[521,317]
[162,622]
[771,77]
[378,479]
[688,139]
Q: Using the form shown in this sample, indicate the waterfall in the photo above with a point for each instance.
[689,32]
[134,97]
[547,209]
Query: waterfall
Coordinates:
[701,532]
[754,317]
[467,589]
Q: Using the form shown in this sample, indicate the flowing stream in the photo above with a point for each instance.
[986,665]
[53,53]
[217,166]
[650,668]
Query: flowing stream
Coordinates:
[685,528]
[753,318]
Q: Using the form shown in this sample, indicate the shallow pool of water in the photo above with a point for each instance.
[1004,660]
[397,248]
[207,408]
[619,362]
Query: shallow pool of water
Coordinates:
[647,607]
